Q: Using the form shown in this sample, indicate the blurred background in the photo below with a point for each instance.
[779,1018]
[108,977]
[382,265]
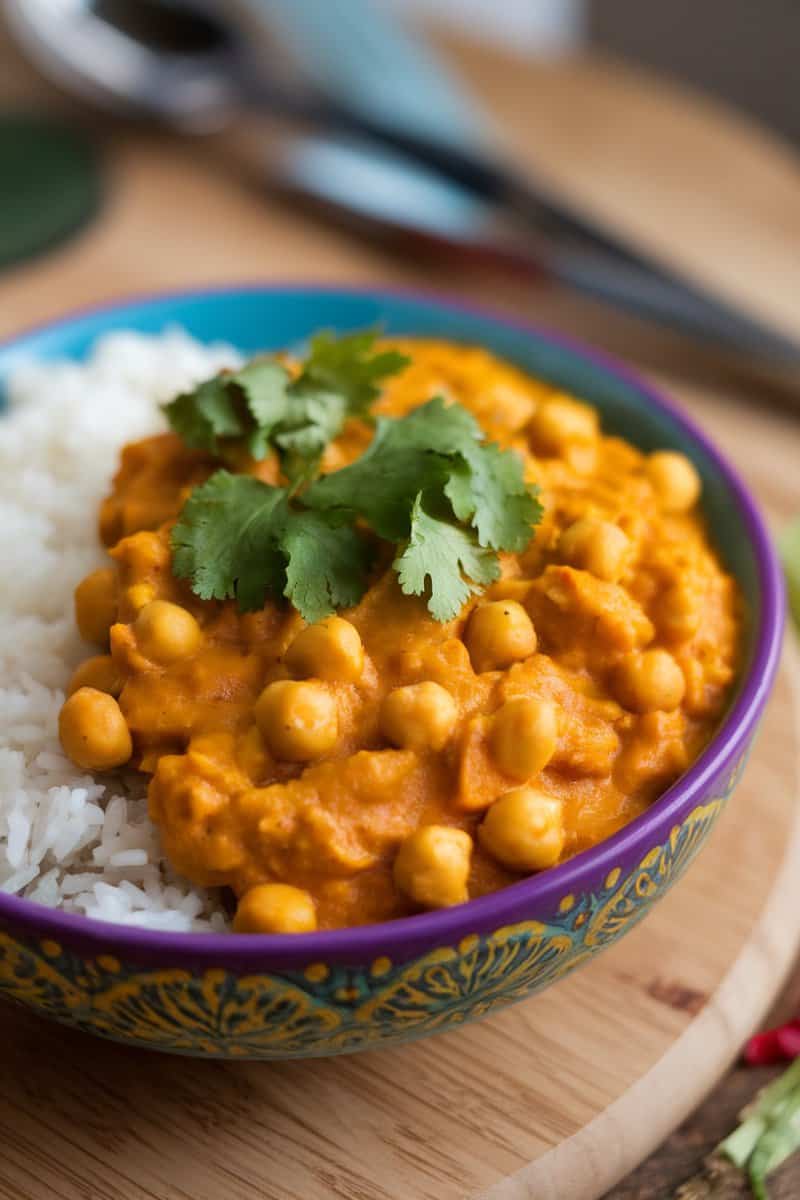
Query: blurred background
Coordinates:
[577,153]
[743,52]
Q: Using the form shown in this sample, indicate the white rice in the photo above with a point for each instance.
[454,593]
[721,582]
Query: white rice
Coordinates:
[69,840]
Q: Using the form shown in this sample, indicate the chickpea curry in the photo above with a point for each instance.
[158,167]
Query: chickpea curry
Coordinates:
[337,754]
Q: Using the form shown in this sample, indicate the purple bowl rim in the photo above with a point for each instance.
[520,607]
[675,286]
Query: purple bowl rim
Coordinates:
[401,938]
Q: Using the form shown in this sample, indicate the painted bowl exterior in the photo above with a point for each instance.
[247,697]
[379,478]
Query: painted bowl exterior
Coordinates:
[327,993]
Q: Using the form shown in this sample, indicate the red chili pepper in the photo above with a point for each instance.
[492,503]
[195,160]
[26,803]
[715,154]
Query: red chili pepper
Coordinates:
[775,1045]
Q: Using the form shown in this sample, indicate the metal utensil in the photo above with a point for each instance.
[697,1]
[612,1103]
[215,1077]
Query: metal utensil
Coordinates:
[180,65]
[186,66]
[391,192]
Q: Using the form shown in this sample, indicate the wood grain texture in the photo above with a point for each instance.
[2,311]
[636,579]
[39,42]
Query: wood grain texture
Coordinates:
[466,1114]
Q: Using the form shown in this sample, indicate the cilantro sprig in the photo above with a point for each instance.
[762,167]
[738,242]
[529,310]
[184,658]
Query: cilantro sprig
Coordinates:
[262,407]
[429,483]
[237,537]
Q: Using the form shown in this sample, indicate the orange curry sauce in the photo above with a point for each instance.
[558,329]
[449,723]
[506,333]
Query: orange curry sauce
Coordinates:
[232,813]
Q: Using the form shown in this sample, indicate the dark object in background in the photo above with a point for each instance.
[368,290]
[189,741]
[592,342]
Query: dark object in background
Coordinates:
[50,185]
[745,51]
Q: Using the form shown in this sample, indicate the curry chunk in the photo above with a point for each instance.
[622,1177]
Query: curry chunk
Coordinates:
[376,761]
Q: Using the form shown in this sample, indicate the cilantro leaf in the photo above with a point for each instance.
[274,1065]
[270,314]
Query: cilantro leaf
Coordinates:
[226,540]
[406,456]
[347,365]
[445,557]
[263,406]
[326,565]
[207,413]
[311,421]
[789,547]
[238,537]
[435,445]
[265,385]
[427,482]
[488,489]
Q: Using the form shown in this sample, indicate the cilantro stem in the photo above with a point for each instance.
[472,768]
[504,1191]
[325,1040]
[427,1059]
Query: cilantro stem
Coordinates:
[769,1131]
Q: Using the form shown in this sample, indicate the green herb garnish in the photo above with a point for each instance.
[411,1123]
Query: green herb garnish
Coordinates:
[428,483]
[262,407]
[239,537]
[789,546]
[768,1133]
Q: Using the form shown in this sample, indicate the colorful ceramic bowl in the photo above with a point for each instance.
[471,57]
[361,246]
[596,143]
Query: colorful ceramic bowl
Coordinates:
[328,993]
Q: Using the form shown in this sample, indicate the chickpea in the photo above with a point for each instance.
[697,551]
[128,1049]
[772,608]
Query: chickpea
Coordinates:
[498,634]
[96,605]
[298,720]
[524,830]
[420,716]
[432,866]
[330,649]
[559,422]
[596,546]
[275,908]
[675,480]
[166,632]
[93,731]
[523,736]
[649,681]
[99,673]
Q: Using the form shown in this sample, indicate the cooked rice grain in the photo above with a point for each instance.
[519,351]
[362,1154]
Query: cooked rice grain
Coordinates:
[69,840]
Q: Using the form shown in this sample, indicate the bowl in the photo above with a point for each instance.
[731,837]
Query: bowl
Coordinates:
[269,997]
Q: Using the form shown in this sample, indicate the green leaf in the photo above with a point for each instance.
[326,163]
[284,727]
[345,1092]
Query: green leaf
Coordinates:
[311,422]
[234,404]
[265,386]
[226,541]
[488,489]
[206,414]
[789,546]
[435,446]
[406,456]
[769,1130]
[326,566]
[347,365]
[238,537]
[445,558]
[262,405]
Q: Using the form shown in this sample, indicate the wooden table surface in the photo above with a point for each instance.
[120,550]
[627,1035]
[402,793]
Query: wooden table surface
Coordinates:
[699,186]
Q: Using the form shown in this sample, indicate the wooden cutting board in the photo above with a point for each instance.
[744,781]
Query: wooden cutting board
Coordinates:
[558,1097]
